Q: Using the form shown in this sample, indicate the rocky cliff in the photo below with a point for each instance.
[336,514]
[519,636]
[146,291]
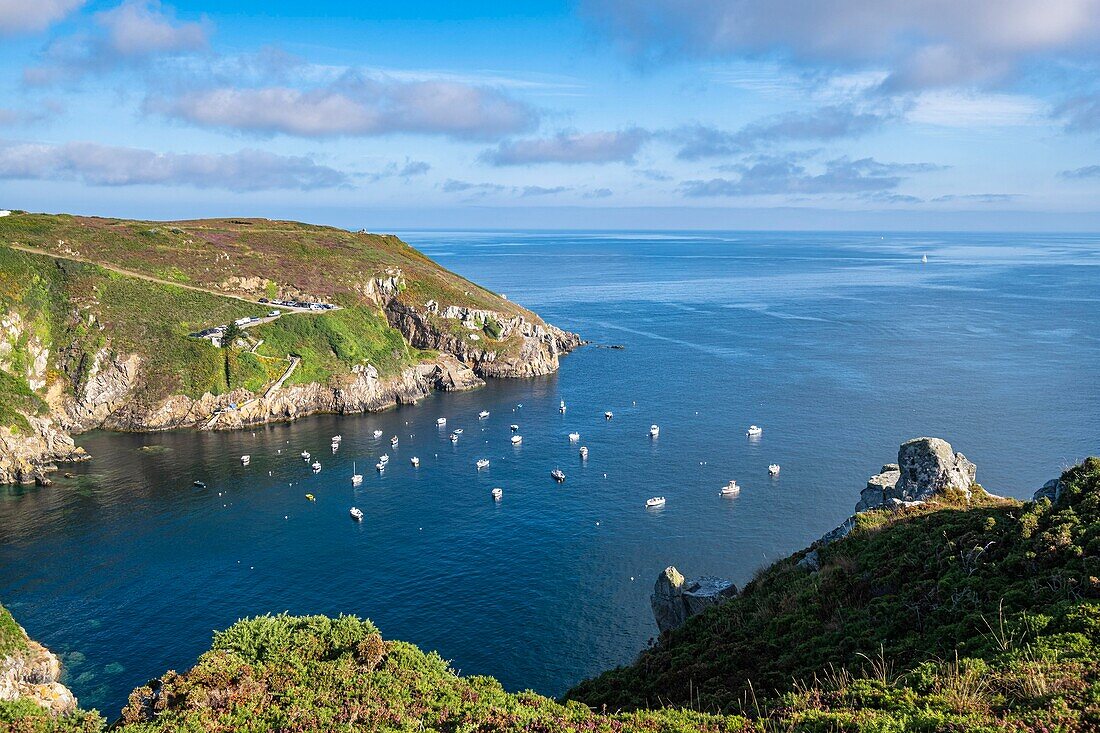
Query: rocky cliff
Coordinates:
[26,456]
[30,671]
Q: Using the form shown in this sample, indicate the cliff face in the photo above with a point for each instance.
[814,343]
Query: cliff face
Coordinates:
[29,670]
[26,456]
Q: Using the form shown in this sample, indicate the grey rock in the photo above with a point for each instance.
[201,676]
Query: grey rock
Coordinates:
[35,673]
[811,561]
[925,467]
[1050,490]
[675,599]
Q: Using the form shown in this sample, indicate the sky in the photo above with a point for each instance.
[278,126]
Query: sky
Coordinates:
[593,114]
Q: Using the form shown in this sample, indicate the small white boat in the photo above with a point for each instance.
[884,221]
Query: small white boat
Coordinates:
[457,431]
[246,460]
[558,475]
[754,430]
[561,408]
[513,427]
[335,447]
[773,469]
[654,431]
[356,514]
[482,463]
[305,455]
[454,437]
[574,437]
[517,439]
[441,421]
[377,433]
[356,478]
[584,452]
[383,459]
[483,414]
[380,467]
[414,461]
[608,415]
[316,466]
[497,493]
[394,441]
[337,438]
[656,501]
[730,489]
[924,259]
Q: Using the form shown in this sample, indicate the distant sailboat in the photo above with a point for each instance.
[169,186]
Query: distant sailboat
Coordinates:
[356,478]
[924,259]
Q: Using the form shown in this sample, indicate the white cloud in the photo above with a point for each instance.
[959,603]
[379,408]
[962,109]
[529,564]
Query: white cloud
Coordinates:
[105,165]
[948,108]
[21,16]
[570,148]
[354,105]
[923,42]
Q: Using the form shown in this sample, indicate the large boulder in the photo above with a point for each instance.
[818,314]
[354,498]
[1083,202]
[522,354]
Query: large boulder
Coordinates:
[675,598]
[1050,490]
[926,467]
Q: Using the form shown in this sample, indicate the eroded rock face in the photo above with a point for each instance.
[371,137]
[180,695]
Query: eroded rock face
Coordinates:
[925,467]
[675,599]
[35,673]
[27,456]
[1051,490]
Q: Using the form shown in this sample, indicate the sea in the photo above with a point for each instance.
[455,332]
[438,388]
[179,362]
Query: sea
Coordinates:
[840,346]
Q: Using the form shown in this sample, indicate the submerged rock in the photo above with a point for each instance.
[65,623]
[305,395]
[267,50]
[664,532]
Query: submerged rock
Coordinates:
[675,598]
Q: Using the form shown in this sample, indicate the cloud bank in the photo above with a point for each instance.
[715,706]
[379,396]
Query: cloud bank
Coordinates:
[570,148]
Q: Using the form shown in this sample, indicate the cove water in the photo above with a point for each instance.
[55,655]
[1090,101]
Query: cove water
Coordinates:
[840,346]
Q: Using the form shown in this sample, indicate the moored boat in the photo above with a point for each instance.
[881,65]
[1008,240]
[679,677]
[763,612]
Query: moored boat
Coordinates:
[574,437]
[245,460]
[656,501]
[497,493]
[199,484]
[356,514]
[356,478]
[754,430]
[773,469]
[517,439]
[608,415]
[654,431]
[441,421]
[305,455]
[730,489]
[483,414]
[377,433]
[414,461]
[311,497]
[513,427]
[584,452]
[482,463]
[316,466]
[558,475]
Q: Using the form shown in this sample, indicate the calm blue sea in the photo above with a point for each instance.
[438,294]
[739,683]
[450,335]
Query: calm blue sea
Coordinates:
[840,346]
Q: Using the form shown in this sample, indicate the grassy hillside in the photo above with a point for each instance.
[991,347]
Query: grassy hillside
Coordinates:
[290,256]
[938,618]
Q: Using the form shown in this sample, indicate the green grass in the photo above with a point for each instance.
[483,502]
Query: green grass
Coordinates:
[12,638]
[17,401]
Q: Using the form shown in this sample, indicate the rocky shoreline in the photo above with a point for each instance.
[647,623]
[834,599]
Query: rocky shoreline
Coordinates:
[108,396]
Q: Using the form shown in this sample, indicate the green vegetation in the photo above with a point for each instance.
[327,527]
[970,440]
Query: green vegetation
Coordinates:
[12,638]
[17,401]
[939,618]
[25,716]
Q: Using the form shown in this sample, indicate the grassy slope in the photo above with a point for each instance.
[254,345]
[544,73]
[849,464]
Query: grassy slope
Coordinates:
[937,618]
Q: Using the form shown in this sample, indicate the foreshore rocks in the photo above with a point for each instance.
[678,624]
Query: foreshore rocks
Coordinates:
[27,456]
[34,672]
[675,599]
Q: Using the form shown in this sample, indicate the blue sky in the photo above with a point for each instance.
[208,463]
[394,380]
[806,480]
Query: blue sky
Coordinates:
[880,114]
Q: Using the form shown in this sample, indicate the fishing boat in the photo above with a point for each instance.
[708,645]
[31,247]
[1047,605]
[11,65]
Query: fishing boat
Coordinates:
[356,478]
[482,463]
[513,427]
[414,461]
[517,439]
[246,460]
[608,415]
[574,437]
[654,431]
[380,467]
[653,503]
[393,441]
[337,438]
[584,452]
[311,497]
[457,431]
[441,421]
[483,414]
[561,408]
[335,447]
[199,484]
[316,466]
[454,437]
[377,433]
[497,493]
[754,430]
[558,475]
[356,514]
[384,459]
[773,469]
[730,489]
[305,455]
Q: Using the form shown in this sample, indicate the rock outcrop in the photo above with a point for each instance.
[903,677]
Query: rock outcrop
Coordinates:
[1051,490]
[925,467]
[26,456]
[675,599]
[33,672]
